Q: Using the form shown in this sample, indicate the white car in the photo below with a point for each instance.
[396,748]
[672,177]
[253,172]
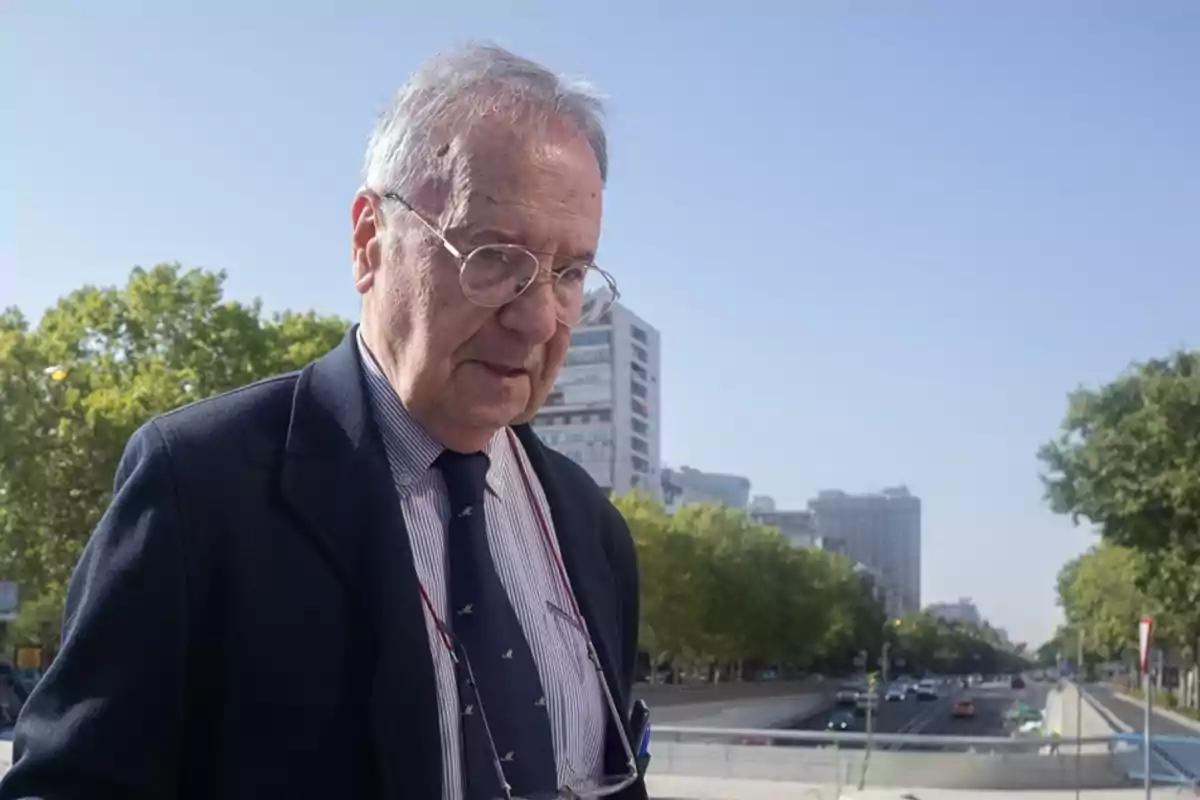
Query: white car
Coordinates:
[897,691]
[927,690]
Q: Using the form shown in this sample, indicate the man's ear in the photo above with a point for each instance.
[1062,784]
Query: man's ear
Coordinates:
[365,243]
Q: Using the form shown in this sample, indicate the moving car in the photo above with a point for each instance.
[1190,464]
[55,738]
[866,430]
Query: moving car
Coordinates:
[897,691]
[927,690]
[1018,682]
[848,693]
[963,709]
[841,721]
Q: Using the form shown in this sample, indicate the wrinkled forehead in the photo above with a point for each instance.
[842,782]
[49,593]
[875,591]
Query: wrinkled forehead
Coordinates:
[541,187]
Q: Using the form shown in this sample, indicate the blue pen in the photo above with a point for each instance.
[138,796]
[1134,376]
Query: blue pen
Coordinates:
[644,747]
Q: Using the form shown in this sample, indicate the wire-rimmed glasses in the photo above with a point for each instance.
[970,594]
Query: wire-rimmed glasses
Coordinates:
[579,787]
[493,275]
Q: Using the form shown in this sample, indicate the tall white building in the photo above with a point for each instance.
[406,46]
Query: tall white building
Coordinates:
[604,413]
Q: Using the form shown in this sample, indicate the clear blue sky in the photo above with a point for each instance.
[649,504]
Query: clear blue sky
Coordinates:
[881,240]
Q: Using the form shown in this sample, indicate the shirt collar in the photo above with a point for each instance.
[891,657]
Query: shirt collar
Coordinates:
[410,449]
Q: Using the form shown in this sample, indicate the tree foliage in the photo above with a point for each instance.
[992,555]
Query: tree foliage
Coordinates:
[100,363]
[926,643]
[1128,461]
[717,588]
[1100,597]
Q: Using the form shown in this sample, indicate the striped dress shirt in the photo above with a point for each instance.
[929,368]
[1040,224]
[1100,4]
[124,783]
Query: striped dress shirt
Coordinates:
[527,568]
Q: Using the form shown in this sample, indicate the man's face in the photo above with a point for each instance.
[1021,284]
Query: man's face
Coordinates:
[465,371]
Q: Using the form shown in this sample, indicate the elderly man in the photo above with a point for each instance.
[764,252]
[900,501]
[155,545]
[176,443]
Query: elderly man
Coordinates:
[370,579]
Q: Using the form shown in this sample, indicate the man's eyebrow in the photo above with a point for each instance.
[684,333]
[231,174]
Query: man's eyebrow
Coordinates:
[491,235]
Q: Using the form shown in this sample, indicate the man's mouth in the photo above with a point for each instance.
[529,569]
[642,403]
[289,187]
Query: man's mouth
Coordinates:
[502,370]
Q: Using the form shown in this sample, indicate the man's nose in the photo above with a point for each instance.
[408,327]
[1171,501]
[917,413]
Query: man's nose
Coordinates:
[534,314]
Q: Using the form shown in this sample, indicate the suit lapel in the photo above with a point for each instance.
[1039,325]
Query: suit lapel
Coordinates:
[335,477]
[579,541]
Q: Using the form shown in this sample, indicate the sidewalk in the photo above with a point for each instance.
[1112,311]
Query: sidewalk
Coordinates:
[1064,708]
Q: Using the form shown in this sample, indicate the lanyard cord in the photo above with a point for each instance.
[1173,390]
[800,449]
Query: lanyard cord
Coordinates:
[547,540]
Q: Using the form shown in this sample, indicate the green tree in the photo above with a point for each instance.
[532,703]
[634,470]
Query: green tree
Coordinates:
[725,594]
[101,362]
[1100,596]
[930,644]
[1128,460]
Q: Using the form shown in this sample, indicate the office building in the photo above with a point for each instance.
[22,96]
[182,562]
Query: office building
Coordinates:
[798,527]
[762,502]
[604,412]
[881,531]
[962,611]
[686,485]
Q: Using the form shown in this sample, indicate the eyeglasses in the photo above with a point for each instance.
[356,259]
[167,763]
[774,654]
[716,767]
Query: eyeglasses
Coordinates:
[493,275]
[577,787]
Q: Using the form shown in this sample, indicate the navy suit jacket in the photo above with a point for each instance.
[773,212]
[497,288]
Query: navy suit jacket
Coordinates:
[246,620]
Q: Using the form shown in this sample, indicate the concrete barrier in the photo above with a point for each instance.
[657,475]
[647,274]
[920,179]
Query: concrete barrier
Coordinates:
[829,766]
[660,695]
[770,712]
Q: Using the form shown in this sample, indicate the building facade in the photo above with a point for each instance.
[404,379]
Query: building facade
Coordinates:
[687,485]
[798,527]
[962,611]
[604,412]
[881,531]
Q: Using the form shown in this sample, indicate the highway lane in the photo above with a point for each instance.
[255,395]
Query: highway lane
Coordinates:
[1182,756]
[992,702]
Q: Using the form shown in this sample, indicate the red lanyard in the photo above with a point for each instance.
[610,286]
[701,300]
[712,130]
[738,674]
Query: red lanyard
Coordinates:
[547,540]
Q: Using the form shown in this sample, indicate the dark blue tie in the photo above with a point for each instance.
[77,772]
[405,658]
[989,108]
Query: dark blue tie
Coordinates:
[487,630]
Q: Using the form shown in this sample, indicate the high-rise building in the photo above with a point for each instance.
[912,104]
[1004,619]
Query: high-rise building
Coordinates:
[881,531]
[962,611]
[798,527]
[604,411]
[687,485]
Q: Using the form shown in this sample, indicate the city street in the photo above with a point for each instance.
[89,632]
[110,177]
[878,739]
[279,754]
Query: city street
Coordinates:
[991,701]
[1181,755]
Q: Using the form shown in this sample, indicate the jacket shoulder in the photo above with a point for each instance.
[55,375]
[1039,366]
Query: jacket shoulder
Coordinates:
[249,417]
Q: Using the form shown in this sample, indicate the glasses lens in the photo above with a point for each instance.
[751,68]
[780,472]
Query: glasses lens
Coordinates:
[497,274]
[583,293]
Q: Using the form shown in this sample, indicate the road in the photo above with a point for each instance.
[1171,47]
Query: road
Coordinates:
[914,716]
[1182,756]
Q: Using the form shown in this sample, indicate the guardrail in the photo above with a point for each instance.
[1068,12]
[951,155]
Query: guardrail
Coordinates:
[767,736]
[835,758]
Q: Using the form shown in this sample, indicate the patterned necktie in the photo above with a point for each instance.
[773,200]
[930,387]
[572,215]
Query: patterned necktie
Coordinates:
[485,627]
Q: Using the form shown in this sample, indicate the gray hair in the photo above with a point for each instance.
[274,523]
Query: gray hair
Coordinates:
[458,89]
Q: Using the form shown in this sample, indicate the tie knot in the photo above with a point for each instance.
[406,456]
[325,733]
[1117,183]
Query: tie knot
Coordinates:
[465,475]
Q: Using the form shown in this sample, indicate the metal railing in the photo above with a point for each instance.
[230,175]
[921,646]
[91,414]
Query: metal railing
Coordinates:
[770,736]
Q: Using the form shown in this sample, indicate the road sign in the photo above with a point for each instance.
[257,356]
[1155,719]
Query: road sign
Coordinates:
[9,597]
[1145,631]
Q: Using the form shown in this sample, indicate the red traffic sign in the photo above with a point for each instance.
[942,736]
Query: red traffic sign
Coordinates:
[1145,631]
